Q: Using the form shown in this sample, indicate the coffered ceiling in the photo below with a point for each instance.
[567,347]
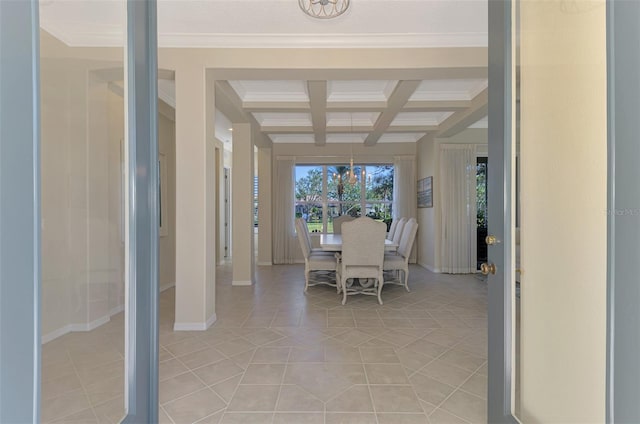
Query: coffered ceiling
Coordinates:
[355,111]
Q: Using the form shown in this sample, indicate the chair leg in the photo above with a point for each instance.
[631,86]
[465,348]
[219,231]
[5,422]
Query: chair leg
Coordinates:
[343,283]
[405,273]
[380,284]
[306,279]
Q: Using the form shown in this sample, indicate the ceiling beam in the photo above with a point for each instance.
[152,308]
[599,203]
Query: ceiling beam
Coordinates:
[280,107]
[318,101]
[460,121]
[360,106]
[329,130]
[229,103]
[436,105]
[400,96]
[412,128]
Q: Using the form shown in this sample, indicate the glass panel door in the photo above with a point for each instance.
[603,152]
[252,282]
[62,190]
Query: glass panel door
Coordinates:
[83,210]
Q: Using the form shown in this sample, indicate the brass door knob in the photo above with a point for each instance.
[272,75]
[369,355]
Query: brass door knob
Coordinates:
[487,269]
[491,240]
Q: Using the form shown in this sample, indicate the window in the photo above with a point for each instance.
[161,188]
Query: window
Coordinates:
[323,192]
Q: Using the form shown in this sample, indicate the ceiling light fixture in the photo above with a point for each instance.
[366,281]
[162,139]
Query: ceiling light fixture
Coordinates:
[324,9]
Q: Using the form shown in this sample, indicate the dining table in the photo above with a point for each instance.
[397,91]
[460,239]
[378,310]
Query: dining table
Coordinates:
[333,243]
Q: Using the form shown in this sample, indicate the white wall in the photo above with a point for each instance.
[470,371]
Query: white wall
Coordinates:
[429,218]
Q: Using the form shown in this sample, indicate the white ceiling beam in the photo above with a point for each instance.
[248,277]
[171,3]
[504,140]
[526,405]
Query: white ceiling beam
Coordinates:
[280,107]
[318,100]
[403,91]
[436,105]
[311,130]
[412,128]
[460,121]
[360,106]
[228,102]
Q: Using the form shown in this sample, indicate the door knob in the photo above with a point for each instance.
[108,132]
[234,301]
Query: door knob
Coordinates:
[487,269]
[491,240]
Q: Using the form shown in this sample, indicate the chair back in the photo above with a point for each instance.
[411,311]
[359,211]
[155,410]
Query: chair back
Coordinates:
[392,229]
[408,237]
[363,242]
[301,226]
[399,228]
[338,221]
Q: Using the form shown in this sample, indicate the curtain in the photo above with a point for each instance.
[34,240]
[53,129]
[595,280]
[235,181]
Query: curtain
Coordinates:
[458,208]
[405,201]
[284,237]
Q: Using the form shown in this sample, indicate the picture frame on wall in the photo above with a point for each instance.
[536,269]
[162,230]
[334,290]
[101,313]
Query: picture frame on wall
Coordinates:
[425,192]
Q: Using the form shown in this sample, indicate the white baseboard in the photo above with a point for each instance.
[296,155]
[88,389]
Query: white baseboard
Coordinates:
[195,326]
[166,286]
[72,328]
[430,268]
[242,283]
[265,263]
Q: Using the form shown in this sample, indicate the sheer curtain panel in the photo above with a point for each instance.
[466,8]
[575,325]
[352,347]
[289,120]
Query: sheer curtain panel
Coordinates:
[284,236]
[405,202]
[458,208]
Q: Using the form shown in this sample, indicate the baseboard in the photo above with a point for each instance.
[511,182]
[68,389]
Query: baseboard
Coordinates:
[265,263]
[242,283]
[167,286]
[195,326]
[72,328]
[429,268]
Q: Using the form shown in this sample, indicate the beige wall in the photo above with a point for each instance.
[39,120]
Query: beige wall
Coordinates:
[167,243]
[563,229]
[429,218]
[82,228]
[82,273]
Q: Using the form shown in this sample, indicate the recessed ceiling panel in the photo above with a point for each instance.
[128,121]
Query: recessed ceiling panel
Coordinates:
[355,138]
[360,91]
[283,119]
[420,118]
[401,137]
[271,90]
[459,89]
[292,138]
[356,119]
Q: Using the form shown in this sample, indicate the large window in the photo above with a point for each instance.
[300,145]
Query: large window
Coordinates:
[324,192]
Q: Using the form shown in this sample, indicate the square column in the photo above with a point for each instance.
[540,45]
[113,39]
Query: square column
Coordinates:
[242,252]
[195,192]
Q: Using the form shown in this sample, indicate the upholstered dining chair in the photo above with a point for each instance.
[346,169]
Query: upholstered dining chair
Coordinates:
[338,221]
[314,261]
[399,261]
[362,257]
[398,233]
[392,229]
[305,230]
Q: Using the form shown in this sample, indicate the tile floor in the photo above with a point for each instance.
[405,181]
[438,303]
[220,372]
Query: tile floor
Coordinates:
[278,356]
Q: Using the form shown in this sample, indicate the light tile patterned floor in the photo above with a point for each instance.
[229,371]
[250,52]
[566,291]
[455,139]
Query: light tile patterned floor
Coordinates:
[278,356]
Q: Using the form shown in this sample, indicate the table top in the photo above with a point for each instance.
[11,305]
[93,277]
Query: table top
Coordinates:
[333,243]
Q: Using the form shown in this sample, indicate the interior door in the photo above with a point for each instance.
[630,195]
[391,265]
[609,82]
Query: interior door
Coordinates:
[548,109]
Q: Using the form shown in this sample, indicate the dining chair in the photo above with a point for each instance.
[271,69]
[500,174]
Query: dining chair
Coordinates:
[362,257]
[392,229]
[315,262]
[399,261]
[305,230]
[338,221]
[398,233]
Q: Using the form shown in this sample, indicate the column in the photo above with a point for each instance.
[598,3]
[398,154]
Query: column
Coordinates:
[264,207]
[195,189]
[242,172]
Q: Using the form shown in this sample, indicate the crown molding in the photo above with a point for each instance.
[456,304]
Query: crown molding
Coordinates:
[114,37]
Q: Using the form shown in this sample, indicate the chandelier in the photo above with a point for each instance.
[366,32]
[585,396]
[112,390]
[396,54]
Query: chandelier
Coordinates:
[324,9]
